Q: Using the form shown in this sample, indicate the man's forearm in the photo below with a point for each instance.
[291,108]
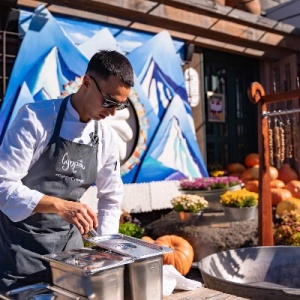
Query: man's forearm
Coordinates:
[49,204]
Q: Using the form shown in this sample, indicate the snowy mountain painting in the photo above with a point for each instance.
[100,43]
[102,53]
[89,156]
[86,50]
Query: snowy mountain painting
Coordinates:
[43,35]
[165,143]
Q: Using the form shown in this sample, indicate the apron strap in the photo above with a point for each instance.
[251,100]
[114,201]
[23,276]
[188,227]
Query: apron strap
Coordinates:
[93,135]
[60,116]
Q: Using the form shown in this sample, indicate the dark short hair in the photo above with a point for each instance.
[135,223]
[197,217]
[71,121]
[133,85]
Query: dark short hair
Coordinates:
[105,63]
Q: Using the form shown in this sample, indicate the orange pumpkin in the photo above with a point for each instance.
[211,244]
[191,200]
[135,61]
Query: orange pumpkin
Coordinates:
[294,187]
[235,168]
[183,253]
[246,175]
[254,171]
[287,205]
[251,160]
[278,195]
[252,6]
[252,186]
[273,173]
[286,173]
[277,183]
[236,174]
[148,239]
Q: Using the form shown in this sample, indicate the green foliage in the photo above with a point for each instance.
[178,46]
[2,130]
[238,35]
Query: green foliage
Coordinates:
[131,229]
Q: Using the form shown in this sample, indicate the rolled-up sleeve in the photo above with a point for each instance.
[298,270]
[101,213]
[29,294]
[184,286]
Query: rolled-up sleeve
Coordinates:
[109,184]
[16,200]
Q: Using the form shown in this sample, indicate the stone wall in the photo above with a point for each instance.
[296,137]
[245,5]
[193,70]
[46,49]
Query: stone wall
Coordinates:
[208,234]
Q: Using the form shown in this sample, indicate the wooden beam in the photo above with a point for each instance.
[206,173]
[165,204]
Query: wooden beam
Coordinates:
[152,14]
[75,13]
[215,10]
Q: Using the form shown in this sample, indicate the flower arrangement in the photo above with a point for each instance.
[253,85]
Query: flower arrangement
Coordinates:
[216,170]
[189,203]
[210,183]
[288,231]
[239,198]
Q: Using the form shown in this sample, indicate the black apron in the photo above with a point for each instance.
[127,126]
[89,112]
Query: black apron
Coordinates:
[65,170]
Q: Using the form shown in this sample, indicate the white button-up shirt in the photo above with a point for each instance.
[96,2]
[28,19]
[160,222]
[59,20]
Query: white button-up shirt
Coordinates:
[26,140]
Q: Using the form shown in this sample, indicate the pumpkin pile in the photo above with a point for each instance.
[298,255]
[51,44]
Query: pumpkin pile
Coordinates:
[183,253]
[285,184]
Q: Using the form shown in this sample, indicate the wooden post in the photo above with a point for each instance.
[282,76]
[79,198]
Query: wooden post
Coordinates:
[257,95]
[265,217]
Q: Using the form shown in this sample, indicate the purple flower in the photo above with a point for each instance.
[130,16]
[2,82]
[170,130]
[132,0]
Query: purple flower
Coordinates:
[210,183]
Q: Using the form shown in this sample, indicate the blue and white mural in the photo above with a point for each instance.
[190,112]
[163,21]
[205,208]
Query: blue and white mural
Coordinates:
[157,135]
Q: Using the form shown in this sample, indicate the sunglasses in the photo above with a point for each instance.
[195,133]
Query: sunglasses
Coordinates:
[107,103]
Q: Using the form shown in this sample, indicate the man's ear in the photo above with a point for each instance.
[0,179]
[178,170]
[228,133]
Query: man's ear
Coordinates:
[86,80]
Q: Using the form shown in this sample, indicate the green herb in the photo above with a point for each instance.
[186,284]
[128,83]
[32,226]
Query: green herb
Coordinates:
[131,229]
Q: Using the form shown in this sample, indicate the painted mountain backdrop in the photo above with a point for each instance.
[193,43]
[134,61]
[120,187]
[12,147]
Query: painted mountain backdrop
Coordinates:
[157,135]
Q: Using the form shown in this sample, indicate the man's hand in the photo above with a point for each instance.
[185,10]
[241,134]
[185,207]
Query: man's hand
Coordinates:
[76,213]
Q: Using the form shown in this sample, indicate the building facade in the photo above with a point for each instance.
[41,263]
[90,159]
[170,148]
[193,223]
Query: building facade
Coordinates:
[227,47]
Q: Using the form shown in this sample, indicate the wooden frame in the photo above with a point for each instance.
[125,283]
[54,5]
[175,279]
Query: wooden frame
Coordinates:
[256,94]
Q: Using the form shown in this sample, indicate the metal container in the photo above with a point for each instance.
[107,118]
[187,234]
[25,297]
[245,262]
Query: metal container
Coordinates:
[143,277]
[269,273]
[92,273]
[40,291]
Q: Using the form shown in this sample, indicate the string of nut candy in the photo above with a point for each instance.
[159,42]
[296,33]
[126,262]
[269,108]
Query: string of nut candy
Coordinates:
[295,137]
[283,136]
[271,149]
[288,139]
[279,140]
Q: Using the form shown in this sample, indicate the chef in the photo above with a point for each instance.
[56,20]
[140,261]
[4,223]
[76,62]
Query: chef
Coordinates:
[53,151]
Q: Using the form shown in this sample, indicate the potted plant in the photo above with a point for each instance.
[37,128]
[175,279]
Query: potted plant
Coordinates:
[210,188]
[130,226]
[189,206]
[287,232]
[239,204]
[210,183]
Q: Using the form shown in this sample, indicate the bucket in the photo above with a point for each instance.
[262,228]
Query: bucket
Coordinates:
[239,214]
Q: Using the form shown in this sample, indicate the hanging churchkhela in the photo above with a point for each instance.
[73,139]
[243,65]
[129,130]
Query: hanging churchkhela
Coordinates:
[288,139]
[295,138]
[283,139]
[271,149]
[279,141]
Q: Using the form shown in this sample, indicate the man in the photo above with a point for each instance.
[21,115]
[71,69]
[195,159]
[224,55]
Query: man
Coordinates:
[53,151]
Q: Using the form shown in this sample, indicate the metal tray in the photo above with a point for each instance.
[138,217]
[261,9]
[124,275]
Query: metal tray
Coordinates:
[266,272]
[128,246]
[87,261]
[39,291]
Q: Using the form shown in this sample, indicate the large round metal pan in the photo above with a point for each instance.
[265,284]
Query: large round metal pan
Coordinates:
[254,273]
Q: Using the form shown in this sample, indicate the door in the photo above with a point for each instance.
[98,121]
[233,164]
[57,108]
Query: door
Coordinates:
[232,137]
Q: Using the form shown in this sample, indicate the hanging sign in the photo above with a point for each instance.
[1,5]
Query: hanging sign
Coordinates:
[192,86]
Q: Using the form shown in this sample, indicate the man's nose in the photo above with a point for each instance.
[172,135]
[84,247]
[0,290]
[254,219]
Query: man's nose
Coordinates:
[112,111]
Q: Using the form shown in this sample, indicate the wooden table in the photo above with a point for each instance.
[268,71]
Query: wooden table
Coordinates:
[201,294]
